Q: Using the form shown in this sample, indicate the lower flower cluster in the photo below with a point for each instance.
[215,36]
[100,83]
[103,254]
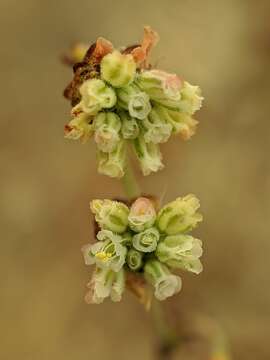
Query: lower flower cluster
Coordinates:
[143,240]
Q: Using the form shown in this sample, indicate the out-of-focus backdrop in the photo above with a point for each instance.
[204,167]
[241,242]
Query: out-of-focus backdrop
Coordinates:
[46,182]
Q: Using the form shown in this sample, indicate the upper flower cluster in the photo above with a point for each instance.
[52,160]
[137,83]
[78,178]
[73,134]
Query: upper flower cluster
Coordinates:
[143,240]
[118,98]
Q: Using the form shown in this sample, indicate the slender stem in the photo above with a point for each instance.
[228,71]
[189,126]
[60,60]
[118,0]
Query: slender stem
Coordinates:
[130,184]
[167,336]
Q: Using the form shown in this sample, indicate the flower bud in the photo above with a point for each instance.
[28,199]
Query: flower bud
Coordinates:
[113,164]
[157,129]
[142,214]
[118,69]
[181,251]
[110,215]
[146,241]
[105,283]
[134,259]
[96,95]
[148,154]
[191,99]
[108,252]
[165,283]
[131,98]
[160,85]
[179,216]
[182,123]
[130,128]
[107,127]
[79,128]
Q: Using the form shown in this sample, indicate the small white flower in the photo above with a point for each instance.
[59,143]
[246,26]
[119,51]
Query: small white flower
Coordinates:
[181,251]
[108,252]
[165,283]
[105,283]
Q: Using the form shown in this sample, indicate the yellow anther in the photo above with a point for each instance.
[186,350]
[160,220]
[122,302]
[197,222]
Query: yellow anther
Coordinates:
[103,256]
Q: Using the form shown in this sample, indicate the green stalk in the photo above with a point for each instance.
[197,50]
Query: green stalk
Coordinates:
[130,184]
[168,339]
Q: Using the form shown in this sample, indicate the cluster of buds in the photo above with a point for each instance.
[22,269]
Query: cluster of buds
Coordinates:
[144,241]
[118,99]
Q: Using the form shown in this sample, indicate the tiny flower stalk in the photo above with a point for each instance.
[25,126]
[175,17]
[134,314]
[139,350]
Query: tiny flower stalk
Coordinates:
[117,96]
[137,239]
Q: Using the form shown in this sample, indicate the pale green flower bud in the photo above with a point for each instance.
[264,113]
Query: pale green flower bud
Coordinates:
[118,69]
[142,214]
[131,98]
[146,241]
[148,154]
[157,129]
[160,85]
[96,95]
[181,251]
[108,252]
[182,123]
[107,128]
[179,216]
[165,283]
[110,215]
[191,99]
[134,259]
[105,283]
[79,128]
[113,164]
[130,128]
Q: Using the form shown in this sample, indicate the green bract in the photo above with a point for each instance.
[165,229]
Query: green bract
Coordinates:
[118,99]
[135,239]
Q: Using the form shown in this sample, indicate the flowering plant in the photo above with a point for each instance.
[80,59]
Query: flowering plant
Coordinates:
[143,240]
[118,98]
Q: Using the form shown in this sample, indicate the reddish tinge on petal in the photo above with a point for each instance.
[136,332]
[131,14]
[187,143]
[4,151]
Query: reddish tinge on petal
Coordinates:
[103,47]
[141,53]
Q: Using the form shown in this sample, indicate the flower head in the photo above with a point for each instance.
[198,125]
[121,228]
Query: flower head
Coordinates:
[128,102]
[135,239]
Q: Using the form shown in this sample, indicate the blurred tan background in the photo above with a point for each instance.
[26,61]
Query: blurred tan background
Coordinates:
[46,182]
